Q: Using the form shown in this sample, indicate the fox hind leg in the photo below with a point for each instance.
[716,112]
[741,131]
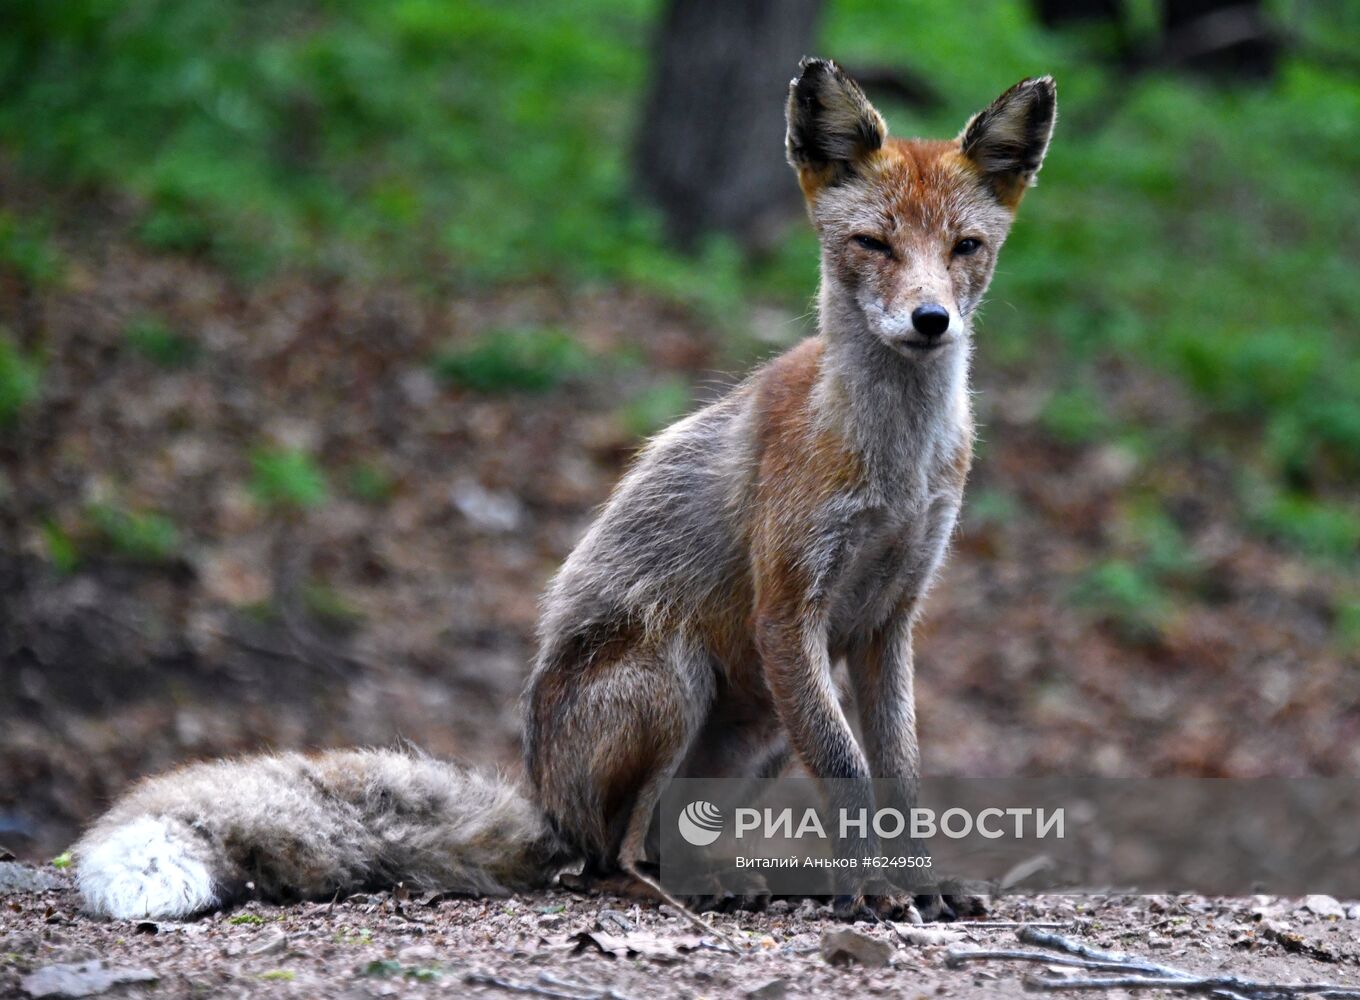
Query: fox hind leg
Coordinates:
[623,728]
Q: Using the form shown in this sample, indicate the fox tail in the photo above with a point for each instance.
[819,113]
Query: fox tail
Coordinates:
[294,826]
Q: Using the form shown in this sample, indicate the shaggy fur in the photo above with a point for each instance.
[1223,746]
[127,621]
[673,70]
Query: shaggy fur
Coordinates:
[792,526]
[293,826]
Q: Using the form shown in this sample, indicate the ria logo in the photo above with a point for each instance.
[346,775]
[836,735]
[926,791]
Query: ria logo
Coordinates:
[700,823]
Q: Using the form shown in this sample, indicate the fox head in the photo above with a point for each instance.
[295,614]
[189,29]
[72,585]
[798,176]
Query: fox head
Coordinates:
[910,229]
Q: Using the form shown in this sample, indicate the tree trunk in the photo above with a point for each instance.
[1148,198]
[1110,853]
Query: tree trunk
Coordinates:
[710,152]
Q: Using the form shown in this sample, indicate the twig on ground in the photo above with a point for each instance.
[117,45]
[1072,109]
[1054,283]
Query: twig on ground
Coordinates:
[482,979]
[684,910]
[1135,983]
[1137,973]
[955,958]
[890,925]
[588,992]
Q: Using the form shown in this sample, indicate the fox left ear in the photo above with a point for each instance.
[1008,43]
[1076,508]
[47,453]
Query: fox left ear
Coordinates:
[1008,139]
[832,127]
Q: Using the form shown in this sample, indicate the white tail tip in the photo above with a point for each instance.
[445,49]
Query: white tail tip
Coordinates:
[144,869]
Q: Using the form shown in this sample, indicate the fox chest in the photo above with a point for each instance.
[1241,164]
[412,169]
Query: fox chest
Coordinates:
[882,561]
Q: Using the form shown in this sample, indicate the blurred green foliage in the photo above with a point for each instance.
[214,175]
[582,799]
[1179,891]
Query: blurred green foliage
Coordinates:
[20,379]
[60,547]
[656,407]
[26,248]
[370,483]
[158,343]
[136,535]
[1206,232]
[328,606]
[1127,596]
[287,479]
[528,359]
[1076,415]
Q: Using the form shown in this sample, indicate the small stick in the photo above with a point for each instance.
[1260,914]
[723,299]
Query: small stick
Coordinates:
[1223,986]
[1138,973]
[1137,983]
[1057,942]
[954,957]
[688,914]
[482,979]
[889,924]
[591,992]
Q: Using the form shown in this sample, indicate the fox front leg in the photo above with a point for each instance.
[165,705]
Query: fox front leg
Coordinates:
[797,666]
[883,674]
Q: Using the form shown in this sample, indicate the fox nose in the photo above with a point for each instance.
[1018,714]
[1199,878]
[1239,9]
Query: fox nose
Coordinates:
[930,320]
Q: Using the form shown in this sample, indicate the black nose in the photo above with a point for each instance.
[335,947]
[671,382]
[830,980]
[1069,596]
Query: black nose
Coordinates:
[931,320]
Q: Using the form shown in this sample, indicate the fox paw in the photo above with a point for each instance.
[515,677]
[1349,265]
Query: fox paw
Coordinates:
[946,906]
[874,906]
[730,891]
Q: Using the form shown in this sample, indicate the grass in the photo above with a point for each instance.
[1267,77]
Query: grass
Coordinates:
[26,249]
[370,483]
[1205,233]
[287,479]
[60,547]
[20,380]
[139,536]
[527,360]
[656,407]
[155,341]
[328,606]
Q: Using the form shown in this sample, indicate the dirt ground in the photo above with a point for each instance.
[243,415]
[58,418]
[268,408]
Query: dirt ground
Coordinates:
[562,944]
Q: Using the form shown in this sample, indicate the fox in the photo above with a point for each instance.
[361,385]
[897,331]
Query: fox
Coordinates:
[699,627]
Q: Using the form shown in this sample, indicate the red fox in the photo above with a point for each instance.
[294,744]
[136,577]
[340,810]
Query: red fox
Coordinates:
[794,524]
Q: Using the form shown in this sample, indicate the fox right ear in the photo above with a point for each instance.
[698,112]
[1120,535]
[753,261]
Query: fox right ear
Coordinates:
[832,126]
[1008,138]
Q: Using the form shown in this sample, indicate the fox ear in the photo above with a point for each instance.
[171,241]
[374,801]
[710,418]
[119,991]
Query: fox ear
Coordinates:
[1008,139]
[832,126]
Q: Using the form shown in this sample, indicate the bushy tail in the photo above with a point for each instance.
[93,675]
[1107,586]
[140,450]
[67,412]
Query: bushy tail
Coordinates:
[292,826]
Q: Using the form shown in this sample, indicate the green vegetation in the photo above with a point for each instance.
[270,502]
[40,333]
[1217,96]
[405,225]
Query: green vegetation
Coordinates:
[371,483]
[62,860]
[279,975]
[656,407]
[1136,590]
[287,479]
[531,359]
[252,919]
[1327,530]
[1206,233]
[326,604]
[20,380]
[138,536]
[61,548]
[1076,416]
[1127,596]
[155,341]
[26,249]
[1347,624]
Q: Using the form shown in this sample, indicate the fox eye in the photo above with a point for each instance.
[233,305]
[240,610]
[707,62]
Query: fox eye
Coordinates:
[873,245]
[967,247]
